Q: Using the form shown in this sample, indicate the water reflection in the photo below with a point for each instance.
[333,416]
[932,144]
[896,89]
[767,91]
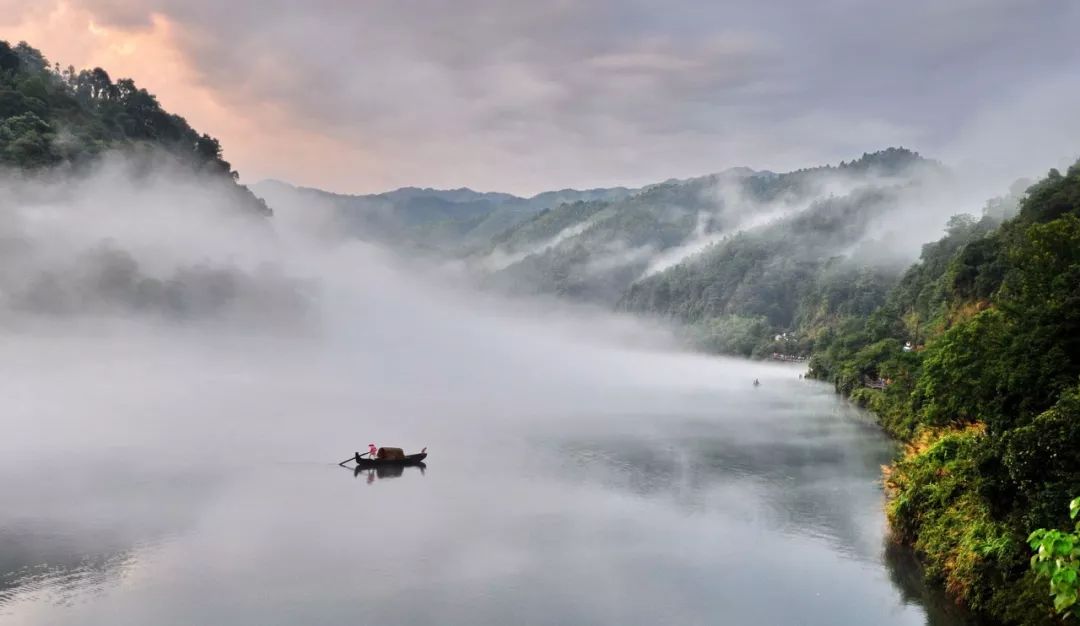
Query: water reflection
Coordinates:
[386,471]
[767,514]
[811,475]
[67,537]
[62,580]
[907,574]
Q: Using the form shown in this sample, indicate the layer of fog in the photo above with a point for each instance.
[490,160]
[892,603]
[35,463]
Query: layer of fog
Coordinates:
[139,307]
[277,341]
[920,203]
[879,218]
[502,257]
[731,205]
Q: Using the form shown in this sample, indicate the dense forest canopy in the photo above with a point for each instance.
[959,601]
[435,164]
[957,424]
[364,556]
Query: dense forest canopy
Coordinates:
[51,117]
[978,349]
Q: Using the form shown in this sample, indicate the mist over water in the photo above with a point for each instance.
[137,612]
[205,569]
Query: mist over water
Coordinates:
[180,381]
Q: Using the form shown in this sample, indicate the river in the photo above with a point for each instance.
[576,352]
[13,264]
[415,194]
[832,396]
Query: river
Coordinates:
[161,483]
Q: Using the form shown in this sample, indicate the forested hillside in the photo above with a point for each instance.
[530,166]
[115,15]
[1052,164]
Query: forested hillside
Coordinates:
[596,251]
[790,278]
[84,158]
[976,358]
[52,117]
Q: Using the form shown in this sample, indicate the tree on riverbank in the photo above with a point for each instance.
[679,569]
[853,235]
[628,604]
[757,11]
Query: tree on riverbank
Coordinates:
[1057,558]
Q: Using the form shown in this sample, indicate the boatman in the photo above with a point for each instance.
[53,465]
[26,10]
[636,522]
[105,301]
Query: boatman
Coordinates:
[372,450]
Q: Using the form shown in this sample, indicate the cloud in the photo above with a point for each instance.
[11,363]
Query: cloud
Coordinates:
[524,96]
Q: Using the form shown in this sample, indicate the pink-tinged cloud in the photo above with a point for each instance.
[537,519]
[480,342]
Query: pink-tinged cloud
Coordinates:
[524,96]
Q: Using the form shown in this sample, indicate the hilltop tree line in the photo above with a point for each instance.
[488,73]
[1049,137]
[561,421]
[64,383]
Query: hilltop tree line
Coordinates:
[51,116]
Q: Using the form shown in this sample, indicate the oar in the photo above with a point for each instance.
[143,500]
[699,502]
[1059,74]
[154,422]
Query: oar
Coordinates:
[351,458]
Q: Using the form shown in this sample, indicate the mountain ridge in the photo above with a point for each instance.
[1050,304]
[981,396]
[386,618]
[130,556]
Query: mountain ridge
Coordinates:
[597,251]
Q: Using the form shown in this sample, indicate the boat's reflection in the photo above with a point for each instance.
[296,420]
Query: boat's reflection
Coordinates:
[385,471]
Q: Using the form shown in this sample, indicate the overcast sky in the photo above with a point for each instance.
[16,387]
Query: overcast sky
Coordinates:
[526,95]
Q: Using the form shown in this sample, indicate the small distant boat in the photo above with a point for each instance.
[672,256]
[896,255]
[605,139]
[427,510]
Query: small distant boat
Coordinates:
[408,459]
[387,457]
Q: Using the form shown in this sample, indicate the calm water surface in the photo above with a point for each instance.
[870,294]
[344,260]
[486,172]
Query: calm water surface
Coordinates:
[734,506]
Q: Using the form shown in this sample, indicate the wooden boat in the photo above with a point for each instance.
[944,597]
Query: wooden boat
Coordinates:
[410,459]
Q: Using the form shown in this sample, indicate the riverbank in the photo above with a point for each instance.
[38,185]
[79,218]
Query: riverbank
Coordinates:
[935,506]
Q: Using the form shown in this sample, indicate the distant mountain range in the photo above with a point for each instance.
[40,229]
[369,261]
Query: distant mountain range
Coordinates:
[447,220]
[758,251]
[615,245]
[597,250]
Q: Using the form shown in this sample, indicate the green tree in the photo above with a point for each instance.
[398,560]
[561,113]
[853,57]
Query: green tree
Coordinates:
[26,140]
[960,376]
[1057,558]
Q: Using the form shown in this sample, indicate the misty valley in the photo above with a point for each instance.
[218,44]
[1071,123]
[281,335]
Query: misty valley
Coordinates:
[840,393]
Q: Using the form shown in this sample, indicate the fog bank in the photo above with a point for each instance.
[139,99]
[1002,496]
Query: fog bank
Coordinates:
[147,314]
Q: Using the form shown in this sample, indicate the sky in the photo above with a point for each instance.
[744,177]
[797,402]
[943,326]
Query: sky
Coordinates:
[523,96]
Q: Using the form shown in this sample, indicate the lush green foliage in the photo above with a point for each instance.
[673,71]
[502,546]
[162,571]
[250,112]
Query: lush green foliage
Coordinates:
[1057,557]
[936,506]
[51,117]
[991,405]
